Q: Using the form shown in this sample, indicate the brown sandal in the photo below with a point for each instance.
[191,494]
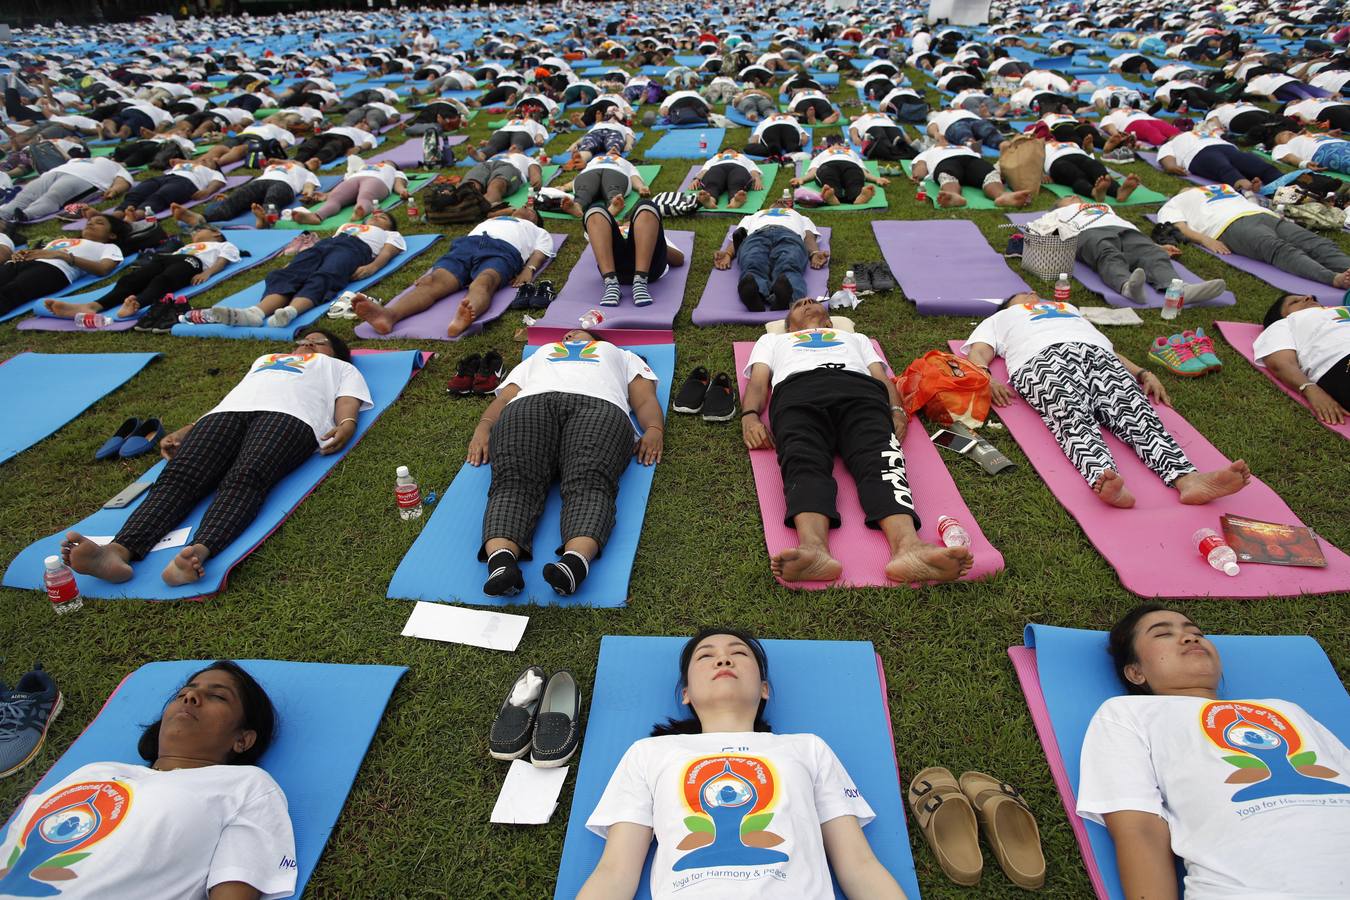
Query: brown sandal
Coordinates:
[1008,826]
[948,824]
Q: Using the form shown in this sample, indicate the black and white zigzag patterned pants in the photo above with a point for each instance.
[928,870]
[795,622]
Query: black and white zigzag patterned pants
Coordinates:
[1077,388]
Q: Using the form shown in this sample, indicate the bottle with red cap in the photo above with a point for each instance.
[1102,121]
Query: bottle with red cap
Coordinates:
[952,533]
[62,589]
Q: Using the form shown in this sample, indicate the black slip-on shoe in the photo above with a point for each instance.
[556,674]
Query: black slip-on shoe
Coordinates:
[513,728]
[720,403]
[690,398]
[882,278]
[558,728]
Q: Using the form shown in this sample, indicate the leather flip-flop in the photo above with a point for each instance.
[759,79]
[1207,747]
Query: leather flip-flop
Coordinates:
[948,824]
[1008,826]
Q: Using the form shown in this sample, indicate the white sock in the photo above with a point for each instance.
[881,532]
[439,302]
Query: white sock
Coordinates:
[282,317]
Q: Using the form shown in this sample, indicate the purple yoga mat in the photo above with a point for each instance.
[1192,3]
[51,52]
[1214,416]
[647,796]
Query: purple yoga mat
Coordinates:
[1088,277]
[231,181]
[584,287]
[946,266]
[1325,293]
[1152,160]
[721,305]
[430,324]
[409,153]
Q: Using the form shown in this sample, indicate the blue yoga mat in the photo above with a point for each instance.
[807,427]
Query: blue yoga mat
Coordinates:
[43,391]
[319,705]
[245,219]
[83,281]
[442,563]
[386,374]
[683,144]
[253,294]
[1076,678]
[828,688]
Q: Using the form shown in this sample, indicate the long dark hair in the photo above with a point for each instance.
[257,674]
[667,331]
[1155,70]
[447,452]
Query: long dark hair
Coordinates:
[1120,644]
[691,724]
[260,716]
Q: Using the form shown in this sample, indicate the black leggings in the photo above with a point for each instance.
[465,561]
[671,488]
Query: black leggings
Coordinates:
[21,282]
[498,96]
[159,193]
[687,111]
[1197,97]
[147,153]
[16,110]
[1076,133]
[162,274]
[324,147]
[304,98]
[776,140]
[725,178]
[822,107]
[844,177]
[1049,101]
[501,141]
[246,102]
[241,199]
[1336,382]
[1080,172]
[1226,164]
[1337,116]
[970,171]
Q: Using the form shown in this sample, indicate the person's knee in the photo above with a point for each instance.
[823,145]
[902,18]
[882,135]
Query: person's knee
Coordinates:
[487,280]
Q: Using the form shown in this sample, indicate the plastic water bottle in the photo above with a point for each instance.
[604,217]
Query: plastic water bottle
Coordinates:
[414,211]
[591,318]
[272,214]
[702,143]
[1062,288]
[787,198]
[921,194]
[62,589]
[952,533]
[1215,550]
[406,494]
[1172,300]
[850,283]
[149,216]
[1280,210]
[92,321]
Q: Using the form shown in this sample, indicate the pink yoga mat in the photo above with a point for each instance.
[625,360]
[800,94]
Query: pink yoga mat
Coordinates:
[231,181]
[430,324]
[864,551]
[1089,278]
[721,305]
[1242,335]
[1149,546]
[584,287]
[946,266]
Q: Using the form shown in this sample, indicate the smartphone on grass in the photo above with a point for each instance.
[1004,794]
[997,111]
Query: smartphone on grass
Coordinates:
[950,440]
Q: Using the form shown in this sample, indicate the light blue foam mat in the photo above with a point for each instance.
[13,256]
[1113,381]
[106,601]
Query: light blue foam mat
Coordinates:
[245,219]
[336,707]
[834,689]
[443,565]
[386,375]
[683,144]
[41,392]
[253,294]
[1076,677]
[83,281]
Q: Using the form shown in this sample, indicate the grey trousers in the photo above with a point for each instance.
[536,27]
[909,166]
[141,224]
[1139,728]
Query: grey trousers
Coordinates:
[1114,252]
[47,194]
[598,186]
[1287,246]
[757,104]
[374,116]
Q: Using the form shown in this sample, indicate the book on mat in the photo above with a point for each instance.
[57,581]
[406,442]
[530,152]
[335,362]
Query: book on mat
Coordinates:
[1255,541]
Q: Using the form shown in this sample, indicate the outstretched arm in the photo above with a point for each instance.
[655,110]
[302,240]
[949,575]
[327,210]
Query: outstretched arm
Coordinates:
[852,861]
[1152,385]
[753,431]
[642,397]
[1144,855]
[387,252]
[982,354]
[620,868]
[1283,364]
[478,444]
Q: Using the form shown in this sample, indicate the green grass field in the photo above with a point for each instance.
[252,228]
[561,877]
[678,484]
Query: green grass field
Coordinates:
[416,824]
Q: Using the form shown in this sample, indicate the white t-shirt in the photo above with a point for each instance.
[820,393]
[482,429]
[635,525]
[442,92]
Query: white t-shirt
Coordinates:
[134,831]
[1303,147]
[1332,81]
[1087,215]
[1269,83]
[1308,110]
[864,124]
[1320,337]
[522,161]
[79,123]
[80,249]
[231,114]
[944,83]
[1209,209]
[679,96]
[1023,330]
[794,352]
[386,172]
[373,236]
[1255,793]
[605,161]
[304,385]
[1041,80]
[730,156]
[100,171]
[703,792]
[361,140]
[781,217]
[777,119]
[155,114]
[538,133]
[201,176]
[6,241]
[835,153]
[591,368]
[933,156]
[271,133]
[208,252]
[1184,147]
[293,173]
[1058,149]
[945,118]
[526,237]
[1225,113]
[1120,118]
[609,125]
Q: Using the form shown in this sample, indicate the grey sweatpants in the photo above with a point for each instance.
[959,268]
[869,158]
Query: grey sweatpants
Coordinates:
[47,194]
[372,115]
[1287,246]
[598,186]
[757,104]
[1113,252]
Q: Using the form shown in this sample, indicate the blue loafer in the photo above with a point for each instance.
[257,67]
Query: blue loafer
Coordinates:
[113,444]
[144,440]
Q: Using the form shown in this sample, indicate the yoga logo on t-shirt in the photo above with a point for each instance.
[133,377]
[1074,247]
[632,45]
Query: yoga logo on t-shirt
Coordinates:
[284,362]
[1341,314]
[575,351]
[815,339]
[58,832]
[1268,752]
[62,244]
[1216,192]
[1049,309]
[729,800]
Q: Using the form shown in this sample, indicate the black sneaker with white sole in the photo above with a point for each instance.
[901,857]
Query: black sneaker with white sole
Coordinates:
[720,403]
[513,729]
[690,398]
[558,728]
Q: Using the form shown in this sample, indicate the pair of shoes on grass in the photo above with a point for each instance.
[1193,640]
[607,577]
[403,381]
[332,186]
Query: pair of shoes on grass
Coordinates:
[479,373]
[540,717]
[1189,354]
[713,398]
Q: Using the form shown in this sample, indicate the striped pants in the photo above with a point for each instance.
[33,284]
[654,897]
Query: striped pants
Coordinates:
[1077,388]
[240,456]
[583,442]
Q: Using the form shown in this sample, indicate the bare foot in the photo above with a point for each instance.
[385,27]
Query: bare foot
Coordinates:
[1127,187]
[109,562]
[260,216]
[829,196]
[358,212]
[372,313]
[1111,488]
[920,563]
[188,566]
[805,564]
[312,164]
[305,217]
[1100,187]
[185,216]
[1201,487]
[949,199]
[571,207]
[737,200]
[70,310]
[1013,198]
[865,195]
[1087,144]
[706,200]
[1342,280]
[616,204]
[464,316]
[129,307]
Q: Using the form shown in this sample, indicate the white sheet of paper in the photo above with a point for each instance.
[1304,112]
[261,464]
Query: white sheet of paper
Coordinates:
[529,795]
[176,538]
[461,625]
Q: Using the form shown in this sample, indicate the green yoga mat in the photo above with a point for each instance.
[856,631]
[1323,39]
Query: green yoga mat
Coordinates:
[344,215]
[878,200]
[522,193]
[975,199]
[264,111]
[646,173]
[754,200]
[1142,196]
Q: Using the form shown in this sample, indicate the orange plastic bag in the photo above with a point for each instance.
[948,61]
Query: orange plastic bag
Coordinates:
[947,388]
